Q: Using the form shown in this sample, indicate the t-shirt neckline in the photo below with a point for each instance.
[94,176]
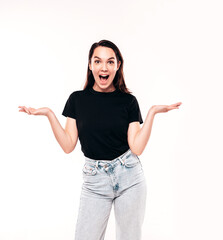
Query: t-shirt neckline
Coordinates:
[91,89]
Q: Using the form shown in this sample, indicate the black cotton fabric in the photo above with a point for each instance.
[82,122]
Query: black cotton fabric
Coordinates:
[102,121]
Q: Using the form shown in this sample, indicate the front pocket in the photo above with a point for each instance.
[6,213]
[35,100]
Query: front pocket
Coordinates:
[89,169]
[131,161]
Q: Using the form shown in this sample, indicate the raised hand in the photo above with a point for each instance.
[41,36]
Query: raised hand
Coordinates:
[165,108]
[33,111]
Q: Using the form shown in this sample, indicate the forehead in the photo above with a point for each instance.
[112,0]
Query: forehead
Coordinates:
[103,52]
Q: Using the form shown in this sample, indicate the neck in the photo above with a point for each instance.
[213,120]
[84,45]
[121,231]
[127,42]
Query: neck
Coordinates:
[98,89]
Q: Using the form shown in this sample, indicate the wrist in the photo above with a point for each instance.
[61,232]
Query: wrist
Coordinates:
[49,112]
[152,110]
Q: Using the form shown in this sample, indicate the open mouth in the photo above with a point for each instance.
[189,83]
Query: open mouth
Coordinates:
[103,77]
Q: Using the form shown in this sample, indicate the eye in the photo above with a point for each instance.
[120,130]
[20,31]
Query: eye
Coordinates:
[111,62]
[96,61]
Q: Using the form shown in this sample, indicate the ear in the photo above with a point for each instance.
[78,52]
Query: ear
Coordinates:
[89,66]
[119,63]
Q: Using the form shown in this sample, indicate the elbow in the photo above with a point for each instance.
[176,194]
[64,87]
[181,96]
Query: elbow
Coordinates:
[67,151]
[136,152]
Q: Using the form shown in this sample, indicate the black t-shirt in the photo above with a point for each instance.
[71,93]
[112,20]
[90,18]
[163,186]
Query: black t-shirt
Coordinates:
[102,120]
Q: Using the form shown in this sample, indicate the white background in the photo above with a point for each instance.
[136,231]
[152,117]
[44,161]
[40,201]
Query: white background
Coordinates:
[172,52]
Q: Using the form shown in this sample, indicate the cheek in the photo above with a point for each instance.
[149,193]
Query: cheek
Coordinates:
[94,71]
[113,70]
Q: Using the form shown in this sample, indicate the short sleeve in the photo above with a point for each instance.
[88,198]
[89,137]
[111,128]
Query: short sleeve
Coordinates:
[134,112]
[69,108]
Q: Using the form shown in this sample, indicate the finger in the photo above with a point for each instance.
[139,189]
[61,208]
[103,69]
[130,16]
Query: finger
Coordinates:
[21,109]
[31,110]
[178,104]
[171,108]
[175,104]
[24,109]
[27,110]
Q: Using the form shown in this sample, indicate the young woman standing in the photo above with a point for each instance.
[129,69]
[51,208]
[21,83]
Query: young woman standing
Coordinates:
[106,118]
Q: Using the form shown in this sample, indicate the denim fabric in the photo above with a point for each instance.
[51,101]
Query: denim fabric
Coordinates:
[120,181]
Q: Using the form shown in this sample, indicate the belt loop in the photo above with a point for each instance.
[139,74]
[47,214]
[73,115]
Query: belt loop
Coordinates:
[96,164]
[121,161]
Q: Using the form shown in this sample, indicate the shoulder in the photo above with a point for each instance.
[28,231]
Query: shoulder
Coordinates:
[77,93]
[129,97]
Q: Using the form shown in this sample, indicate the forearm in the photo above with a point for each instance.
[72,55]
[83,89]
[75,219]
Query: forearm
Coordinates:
[142,136]
[60,134]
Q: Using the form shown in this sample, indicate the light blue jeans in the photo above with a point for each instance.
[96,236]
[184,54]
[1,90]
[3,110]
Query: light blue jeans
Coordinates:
[121,181]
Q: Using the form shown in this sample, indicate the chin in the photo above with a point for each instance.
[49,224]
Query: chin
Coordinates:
[104,85]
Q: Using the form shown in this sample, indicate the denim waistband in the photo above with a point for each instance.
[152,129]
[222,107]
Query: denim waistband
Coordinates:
[103,162]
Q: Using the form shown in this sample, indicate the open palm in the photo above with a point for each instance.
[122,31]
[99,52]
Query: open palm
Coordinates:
[34,111]
[166,108]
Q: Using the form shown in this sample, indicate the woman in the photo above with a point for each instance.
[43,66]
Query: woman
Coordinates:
[106,118]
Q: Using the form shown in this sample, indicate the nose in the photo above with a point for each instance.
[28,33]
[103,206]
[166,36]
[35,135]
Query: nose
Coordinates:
[104,66]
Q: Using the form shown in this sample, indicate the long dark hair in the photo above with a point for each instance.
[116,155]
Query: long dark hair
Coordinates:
[118,81]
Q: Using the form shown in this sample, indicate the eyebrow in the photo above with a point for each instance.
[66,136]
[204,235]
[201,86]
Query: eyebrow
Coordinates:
[108,58]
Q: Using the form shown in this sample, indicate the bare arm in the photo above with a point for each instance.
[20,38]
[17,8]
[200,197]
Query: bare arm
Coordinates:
[67,138]
[139,137]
